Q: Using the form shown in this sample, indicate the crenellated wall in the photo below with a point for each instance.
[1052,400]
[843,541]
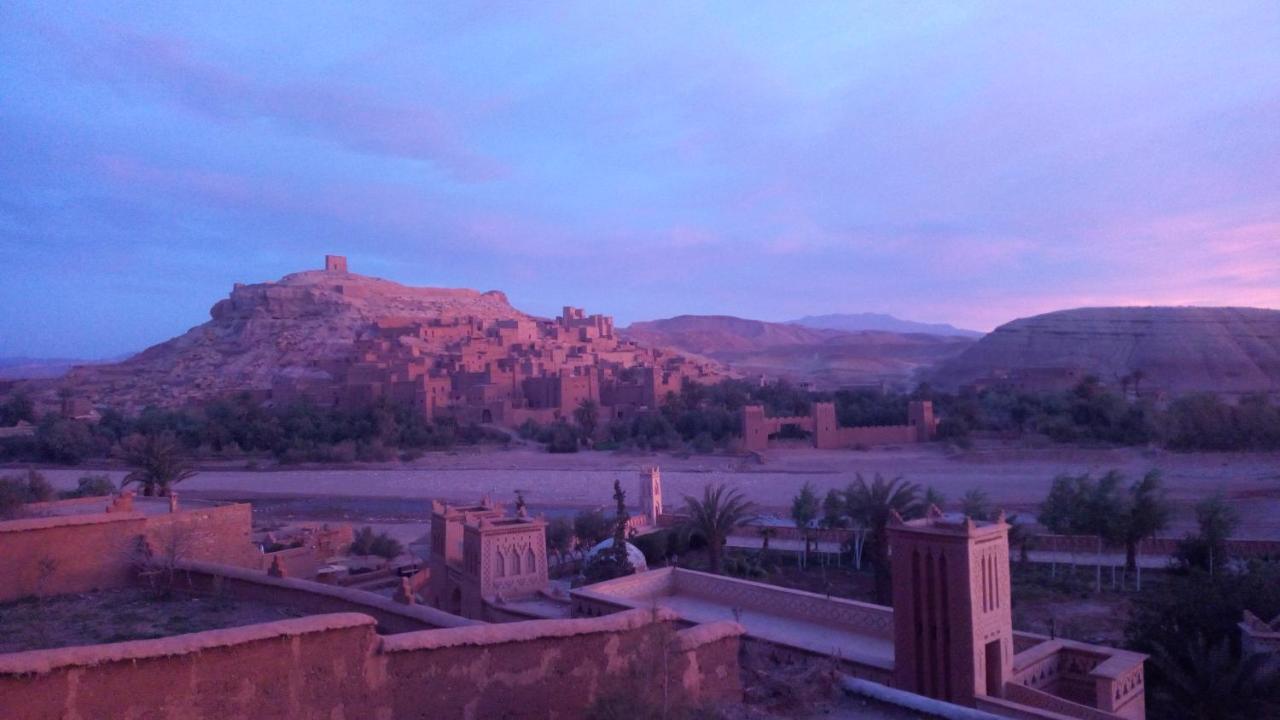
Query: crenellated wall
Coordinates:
[336,666]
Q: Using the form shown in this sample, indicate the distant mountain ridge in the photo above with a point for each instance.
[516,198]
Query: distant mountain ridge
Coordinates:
[857,322]
[1177,350]
[825,357]
[27,368]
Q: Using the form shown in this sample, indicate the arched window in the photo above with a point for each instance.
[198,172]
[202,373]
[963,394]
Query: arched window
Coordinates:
[515,562]
[530,562]
[499,565]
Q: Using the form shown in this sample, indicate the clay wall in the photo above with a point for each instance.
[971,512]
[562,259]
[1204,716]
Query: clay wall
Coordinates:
[311,597]
[81,552]
[334,666]
[55,555]
[216,534]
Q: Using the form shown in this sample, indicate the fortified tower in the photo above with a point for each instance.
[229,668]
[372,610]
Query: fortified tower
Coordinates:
[479,557]
[335,263]
[920,416]
[755,431]
[651,495]
[953,630]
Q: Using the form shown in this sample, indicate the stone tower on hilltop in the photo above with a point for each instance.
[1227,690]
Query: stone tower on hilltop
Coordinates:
[335,263]
[651,494]
[953,629]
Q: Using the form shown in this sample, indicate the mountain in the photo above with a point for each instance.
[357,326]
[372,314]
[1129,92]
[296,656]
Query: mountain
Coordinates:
[855,322]
[1177,350]
[826,358]
[269,330]
[23,368]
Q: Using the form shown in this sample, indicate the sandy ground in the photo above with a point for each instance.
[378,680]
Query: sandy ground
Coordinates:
[1015,478]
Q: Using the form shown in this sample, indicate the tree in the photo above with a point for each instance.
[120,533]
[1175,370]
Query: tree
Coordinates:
[975,503]
[1190,629]
[804,510]
[157,461]
[833,510]
[872,505]
[17,408]
[1145,512]
[613,561]
[1217,520]
[715,516]
[1206,681]
[767,533]
[590,527]
[587,414]
[559,537]
[933,496]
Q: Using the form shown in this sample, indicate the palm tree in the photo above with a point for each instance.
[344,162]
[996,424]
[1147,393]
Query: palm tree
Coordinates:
[1146,512]
[767,532]
[804,510]
[715,516]
[872,505]
[158,462]
[1202,680]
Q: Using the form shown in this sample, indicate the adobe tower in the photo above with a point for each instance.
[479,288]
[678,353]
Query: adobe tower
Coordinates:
[335,263]
[953,629]
[651,494]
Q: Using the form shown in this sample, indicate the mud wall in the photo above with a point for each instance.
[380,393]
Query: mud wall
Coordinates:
[55,555]
[96,550]
[335,666]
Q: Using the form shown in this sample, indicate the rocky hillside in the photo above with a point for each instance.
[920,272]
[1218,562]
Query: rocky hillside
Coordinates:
[827,358]
[1175,349]
[265,330]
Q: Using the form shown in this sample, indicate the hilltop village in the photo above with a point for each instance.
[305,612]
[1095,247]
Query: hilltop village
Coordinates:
[497,370]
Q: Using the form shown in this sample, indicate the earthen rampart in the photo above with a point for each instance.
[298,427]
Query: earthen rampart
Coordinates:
[336,666]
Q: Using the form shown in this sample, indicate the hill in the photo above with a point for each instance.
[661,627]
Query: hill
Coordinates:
[268,330]
[827,358]
[856,322]
[1177,350]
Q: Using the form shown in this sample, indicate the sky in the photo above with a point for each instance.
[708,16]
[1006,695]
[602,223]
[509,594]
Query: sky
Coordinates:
[958,162]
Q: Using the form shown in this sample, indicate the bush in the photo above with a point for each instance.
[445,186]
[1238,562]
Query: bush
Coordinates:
[91,486]
[17,490]
[366,542]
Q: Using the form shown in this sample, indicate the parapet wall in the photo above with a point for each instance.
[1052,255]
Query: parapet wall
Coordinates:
[97,550]
[307,596]
[56,555]
[863,618]
[335,666]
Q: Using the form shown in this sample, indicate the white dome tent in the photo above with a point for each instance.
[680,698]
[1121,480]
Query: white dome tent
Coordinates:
[634,555]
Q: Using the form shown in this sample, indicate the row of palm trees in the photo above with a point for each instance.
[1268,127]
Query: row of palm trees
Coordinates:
[720,510]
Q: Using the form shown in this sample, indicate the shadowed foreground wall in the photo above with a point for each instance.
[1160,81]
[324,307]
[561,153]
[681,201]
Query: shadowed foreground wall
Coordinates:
[336,667]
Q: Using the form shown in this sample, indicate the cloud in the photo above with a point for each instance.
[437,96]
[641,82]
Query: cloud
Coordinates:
[171,70]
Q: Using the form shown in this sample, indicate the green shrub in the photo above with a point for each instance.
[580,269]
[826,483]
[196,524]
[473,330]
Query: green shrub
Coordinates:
[91,486]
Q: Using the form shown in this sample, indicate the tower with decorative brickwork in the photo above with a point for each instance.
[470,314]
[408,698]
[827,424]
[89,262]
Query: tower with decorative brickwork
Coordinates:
[651,494]
[479,556]
[953,629]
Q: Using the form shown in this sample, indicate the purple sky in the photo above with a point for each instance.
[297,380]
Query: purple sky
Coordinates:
[958,162]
